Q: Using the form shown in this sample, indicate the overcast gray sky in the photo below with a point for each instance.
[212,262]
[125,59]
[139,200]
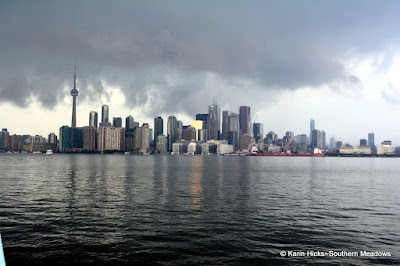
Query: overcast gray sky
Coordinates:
[334,61]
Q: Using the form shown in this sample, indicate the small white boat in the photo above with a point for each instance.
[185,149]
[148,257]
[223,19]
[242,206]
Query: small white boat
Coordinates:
[49,152]
[2,260]
[37,152]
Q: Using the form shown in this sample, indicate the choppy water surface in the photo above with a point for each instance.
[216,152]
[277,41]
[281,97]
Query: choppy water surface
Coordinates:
[191,210]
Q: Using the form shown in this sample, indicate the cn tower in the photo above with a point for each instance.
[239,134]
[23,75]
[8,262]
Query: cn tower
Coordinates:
[74,93]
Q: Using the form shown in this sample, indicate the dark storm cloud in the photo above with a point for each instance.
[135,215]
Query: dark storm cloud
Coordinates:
[137,45]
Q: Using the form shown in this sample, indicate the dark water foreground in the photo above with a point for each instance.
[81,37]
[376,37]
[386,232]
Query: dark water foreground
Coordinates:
[193,210]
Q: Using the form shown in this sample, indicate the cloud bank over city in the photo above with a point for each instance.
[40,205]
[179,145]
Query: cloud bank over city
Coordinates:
[175,57]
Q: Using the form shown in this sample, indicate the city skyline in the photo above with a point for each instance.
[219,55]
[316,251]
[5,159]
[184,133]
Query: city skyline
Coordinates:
[343,74]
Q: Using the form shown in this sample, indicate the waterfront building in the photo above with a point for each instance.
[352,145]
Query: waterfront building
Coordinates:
[89,138]
[188,133]
[130,141]
[244,120]
[371,139]
[355,150]
[318,139]
[4,138]
[158,128]
[162,144]
[312,128]
[111,138]
[198,125]
[16,143]
[208,148]
[142,138]
[339,144]
[213,122]
[93,119]
[171,131]
[71,139]
[363,142]
[385,149]
[117,122]
[194,147]
[39,143]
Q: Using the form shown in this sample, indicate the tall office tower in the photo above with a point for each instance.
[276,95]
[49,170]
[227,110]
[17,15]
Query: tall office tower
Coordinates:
[371,139]
[52,138]
[202,117]
[318,139]
[104,114]
[93,119]
[312,127]
[244,119]
[213,122]
[225,126]
[74,93]
[171,131]
[363,142]
[258,131]
[198,125]
[117,121]
[89,138]
[111,138]
[130,124]
[158,128]
[233,130]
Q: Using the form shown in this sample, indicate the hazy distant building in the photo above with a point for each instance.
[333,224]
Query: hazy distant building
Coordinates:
[371,139]
[301,139]
[225,124]
[387,142]
[202,135]
[111,138]
[93,119]
[213,122]
[312,127]
[171,131]
[89,138]
[52,138]
[244,120]
[246,140]
[271,138]
[363,142]
[318,139]
[258,131]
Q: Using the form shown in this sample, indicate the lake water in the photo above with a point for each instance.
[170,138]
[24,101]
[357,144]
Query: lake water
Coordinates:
[198,210]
